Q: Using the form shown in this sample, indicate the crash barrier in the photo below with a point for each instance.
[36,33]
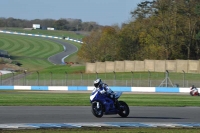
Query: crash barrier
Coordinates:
[37,35]
[90,88]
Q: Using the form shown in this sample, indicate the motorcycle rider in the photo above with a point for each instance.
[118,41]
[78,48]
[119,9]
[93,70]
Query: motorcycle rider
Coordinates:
[194,89]
[104,89]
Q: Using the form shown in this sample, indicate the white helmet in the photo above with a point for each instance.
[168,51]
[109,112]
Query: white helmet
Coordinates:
[97,82]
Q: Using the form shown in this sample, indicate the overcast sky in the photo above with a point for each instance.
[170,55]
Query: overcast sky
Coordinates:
[104,12]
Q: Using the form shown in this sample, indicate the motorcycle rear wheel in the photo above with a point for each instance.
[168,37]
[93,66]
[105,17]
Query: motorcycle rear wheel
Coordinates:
[98,112]
[123,109]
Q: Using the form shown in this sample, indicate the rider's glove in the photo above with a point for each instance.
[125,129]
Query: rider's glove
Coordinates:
[102,91]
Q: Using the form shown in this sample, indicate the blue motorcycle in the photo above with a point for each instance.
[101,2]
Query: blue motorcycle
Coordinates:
[104,105]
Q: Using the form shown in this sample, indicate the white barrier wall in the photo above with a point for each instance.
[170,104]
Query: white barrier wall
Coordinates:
[90,88]
[188,66]
[54,88]
[143,89]
[90,68]
[100,67]
[149,65]
[193,66]
[181,65]
[110,66]
[184,90]
[160,66]
[139,66]
[129,66]
[171,65]
[119,66]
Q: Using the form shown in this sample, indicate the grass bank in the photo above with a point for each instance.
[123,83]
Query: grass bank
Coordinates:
[31,52]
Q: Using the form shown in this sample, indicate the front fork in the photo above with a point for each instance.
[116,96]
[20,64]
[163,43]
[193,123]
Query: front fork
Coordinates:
[97,105]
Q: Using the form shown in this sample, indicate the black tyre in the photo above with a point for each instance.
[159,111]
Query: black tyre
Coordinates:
[191,94]
[98,112]
[123,109]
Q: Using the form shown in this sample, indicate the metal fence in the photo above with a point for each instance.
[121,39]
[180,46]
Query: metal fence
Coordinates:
[134,79]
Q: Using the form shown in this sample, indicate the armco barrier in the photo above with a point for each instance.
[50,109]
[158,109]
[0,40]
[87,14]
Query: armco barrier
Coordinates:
[90,88]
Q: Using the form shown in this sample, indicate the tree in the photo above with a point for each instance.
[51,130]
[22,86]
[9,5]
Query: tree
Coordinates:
[108,44]
[61,24]
[128,44]
[189,12]
[100,45]
[90,48]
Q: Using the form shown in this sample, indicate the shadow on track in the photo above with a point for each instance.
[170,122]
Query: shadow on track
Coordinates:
[148,117]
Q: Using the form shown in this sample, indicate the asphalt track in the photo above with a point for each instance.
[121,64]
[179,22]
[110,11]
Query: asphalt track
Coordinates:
[58,58]
[74,114]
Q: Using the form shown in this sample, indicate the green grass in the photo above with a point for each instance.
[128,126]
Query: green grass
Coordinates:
[62,69]
[31,52]
[43,98]
[107,130]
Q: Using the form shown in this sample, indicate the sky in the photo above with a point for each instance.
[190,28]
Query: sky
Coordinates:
[104,12]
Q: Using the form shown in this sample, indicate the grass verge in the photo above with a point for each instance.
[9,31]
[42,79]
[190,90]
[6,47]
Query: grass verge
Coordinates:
[63,98]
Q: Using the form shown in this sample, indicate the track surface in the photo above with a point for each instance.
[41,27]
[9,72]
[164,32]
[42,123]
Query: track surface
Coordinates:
[68,49]
[73,114]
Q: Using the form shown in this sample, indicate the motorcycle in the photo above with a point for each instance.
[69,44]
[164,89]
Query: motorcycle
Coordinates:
[194,94]
[101,104]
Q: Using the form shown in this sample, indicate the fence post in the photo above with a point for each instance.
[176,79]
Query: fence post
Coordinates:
[114,77]
[149,76]
[37,78]
[132,79]
[167,76]
[51,78]
[183,78]
[24,77]
[96,75]
[13,79]
[81,77]
[66,78]
[1,79]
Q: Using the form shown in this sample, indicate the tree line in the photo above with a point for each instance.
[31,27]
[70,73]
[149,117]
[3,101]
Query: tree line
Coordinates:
[159,29]
[60,24]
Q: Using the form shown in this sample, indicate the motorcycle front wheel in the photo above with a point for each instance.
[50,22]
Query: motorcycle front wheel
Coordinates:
[191,93]
[123,109]
[98,112]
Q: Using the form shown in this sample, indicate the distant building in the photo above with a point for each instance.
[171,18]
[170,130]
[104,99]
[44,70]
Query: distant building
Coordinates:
[43,28]
[36,26]
[49,28]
